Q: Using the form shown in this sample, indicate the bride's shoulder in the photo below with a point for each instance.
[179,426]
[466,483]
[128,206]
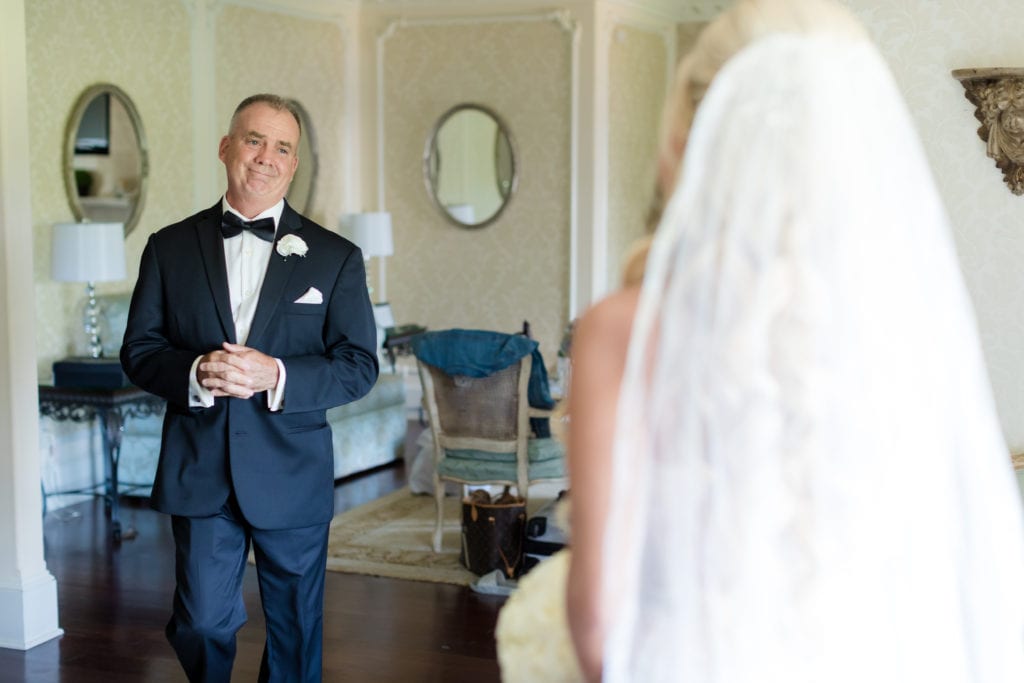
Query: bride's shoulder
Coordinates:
[608,322]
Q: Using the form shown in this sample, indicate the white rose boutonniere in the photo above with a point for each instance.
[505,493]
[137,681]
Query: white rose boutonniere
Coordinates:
[291,244]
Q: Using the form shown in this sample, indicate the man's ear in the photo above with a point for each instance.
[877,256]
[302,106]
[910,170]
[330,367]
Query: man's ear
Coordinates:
[222,148]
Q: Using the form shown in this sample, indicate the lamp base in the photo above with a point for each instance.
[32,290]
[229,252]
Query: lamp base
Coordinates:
[92,321]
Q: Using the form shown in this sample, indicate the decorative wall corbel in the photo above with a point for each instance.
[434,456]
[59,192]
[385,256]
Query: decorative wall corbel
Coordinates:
[998,97]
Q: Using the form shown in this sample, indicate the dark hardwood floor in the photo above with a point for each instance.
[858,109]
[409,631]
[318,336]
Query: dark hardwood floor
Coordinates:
[115,599]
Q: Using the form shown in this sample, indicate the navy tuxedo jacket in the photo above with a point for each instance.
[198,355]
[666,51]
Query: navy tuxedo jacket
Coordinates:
[279,464]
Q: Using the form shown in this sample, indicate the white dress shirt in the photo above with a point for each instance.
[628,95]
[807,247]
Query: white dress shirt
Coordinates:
[246,257]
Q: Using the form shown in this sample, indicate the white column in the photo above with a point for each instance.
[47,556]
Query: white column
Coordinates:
[28,592]
[590,250]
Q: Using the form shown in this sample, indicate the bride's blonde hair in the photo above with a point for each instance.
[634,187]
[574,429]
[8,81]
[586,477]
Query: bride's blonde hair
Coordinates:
[733,30]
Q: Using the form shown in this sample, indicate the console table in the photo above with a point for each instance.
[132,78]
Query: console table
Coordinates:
[112,407]
[397,341]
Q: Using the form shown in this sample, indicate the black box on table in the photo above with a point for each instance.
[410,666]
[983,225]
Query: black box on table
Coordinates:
[89,373]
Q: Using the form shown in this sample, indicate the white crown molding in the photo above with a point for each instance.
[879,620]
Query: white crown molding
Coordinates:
[332,10]
[201,9]
[647,23]
[673,10]
[562,17]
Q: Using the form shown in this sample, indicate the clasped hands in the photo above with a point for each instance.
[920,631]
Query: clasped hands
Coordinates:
[236,370]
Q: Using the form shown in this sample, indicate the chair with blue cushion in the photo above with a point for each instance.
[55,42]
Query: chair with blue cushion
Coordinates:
[476,388]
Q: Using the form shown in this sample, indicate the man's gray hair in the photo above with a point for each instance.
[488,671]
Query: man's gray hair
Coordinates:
[274,101]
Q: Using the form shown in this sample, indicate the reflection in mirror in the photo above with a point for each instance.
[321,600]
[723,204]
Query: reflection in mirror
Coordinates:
[300,193]
[503,167]
[470,166]
[105,158]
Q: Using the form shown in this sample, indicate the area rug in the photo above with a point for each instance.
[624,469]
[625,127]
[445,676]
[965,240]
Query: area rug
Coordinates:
[391,537]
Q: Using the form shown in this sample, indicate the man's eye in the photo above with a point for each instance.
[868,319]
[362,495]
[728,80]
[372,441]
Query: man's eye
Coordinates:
[252,141]
[283,150]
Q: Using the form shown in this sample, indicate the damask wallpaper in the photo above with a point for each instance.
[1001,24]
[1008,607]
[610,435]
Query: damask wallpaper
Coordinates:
[634,115]
[143,48]
[517,268]
[75,43]
[308,66]
[923,42]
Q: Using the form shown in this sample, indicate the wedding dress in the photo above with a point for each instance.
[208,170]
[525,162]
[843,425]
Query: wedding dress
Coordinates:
[534,645]
[810,482]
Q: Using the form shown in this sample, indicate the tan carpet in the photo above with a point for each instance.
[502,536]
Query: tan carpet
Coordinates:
[391,537]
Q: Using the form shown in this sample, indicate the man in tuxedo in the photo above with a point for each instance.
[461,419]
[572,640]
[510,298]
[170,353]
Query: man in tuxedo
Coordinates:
[251,321]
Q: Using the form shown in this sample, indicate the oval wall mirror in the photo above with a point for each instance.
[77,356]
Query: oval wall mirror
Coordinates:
[300,192]
[469,165]
[106,164]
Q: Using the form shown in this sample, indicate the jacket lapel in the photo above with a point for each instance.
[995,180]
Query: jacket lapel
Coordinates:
[211,246]
[278,271]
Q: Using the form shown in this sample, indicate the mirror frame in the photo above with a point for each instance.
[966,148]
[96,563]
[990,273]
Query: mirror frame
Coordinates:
[313,161]
[432,144]
[71,132]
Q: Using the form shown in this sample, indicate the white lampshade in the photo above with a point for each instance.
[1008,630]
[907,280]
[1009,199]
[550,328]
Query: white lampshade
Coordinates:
[371,231]
[88,252]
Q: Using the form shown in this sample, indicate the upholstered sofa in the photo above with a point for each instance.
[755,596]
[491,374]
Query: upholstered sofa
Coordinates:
[366,433]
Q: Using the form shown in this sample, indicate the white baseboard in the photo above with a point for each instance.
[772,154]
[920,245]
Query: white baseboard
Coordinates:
[28,613]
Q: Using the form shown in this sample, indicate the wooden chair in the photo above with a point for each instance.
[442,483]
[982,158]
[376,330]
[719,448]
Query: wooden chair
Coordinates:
[482,434]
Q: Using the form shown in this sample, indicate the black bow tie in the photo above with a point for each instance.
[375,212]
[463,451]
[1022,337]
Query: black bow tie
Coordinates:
[231,225]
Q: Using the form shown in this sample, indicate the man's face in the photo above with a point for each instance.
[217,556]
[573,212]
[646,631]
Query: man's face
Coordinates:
[260,154]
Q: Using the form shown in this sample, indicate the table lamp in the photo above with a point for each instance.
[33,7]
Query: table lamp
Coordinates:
[371,231]
[89,253]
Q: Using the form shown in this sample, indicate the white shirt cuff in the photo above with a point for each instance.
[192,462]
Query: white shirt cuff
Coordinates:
[198,395]
[275,396]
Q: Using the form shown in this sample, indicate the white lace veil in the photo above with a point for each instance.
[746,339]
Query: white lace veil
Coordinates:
[810,483]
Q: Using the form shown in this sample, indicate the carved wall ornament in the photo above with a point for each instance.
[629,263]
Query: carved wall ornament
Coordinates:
[998,97]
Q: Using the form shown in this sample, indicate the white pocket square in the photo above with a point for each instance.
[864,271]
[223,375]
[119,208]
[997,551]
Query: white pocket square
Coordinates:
[312,296]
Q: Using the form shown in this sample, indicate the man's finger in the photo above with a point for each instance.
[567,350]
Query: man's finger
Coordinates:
[222,387]
[224,362]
